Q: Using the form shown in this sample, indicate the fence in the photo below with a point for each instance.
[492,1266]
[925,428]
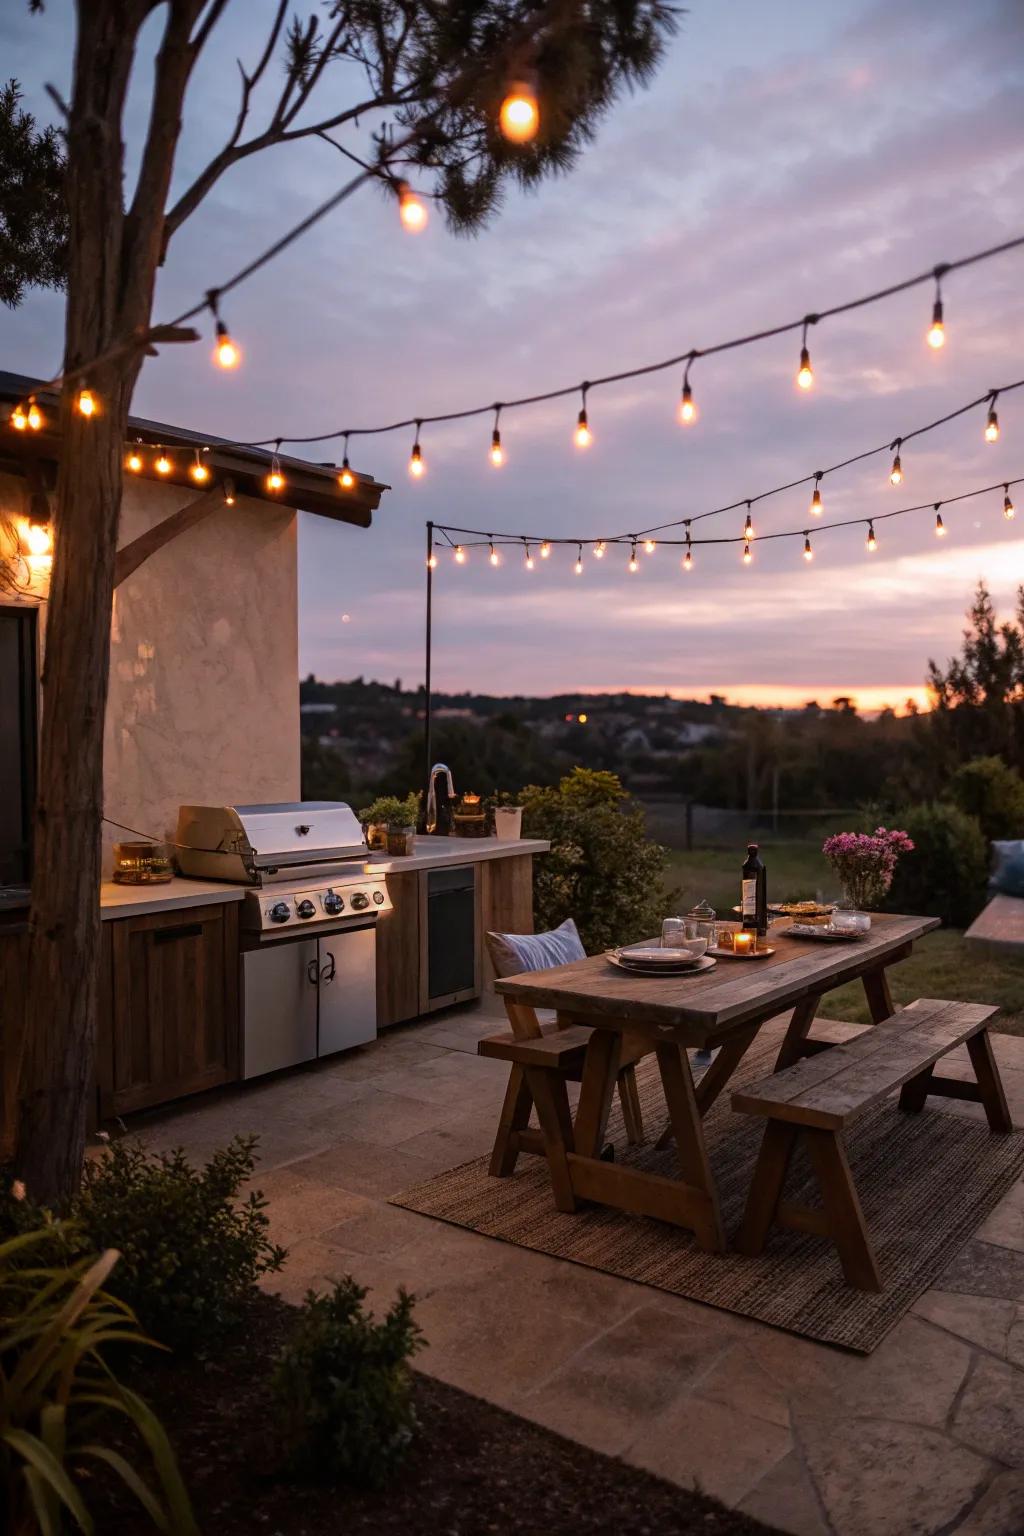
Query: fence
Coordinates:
[681,823]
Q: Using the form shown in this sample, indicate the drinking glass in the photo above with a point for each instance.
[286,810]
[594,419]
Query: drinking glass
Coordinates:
[673,933]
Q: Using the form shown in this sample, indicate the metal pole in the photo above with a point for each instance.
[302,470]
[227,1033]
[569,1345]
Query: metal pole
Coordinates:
[429,649]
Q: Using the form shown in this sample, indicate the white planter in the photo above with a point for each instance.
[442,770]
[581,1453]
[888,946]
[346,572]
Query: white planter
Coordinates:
[508,823]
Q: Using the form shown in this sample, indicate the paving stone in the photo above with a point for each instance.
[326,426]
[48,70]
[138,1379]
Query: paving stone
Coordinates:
[710,1446]
[914,1375]
[1015,1339]
[983,1269]
[785,1498]
[299,1209]
[990,1414]
[999,1511]
[1005,1226]
[363,1168]
[983,1320]
[739,1380]
[877,1478]
[385,1119]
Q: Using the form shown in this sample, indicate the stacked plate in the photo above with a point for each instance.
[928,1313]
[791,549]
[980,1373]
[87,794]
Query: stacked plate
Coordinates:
[649,960]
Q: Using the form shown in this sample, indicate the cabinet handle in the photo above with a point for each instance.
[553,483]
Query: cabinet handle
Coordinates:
[327,974]
[171,935]
[312,973]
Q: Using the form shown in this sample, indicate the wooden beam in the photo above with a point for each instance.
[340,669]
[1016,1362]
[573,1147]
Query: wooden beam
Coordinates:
[128,559]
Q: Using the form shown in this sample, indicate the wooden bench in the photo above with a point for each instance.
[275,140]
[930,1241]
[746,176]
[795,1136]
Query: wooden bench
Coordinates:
[999,927]
[814,1101]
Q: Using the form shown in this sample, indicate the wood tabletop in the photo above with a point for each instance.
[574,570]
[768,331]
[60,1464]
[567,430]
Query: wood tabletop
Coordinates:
[710,1002]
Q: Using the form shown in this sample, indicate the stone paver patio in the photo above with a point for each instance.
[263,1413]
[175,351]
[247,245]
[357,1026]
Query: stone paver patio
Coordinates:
[924,1437]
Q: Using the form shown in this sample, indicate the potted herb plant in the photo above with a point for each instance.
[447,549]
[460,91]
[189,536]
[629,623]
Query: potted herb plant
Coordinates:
[390,823]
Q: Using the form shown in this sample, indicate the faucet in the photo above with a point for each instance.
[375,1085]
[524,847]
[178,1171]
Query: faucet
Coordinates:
[439,818]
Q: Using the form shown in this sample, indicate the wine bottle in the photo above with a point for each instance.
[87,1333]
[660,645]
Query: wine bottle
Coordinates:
[754,898]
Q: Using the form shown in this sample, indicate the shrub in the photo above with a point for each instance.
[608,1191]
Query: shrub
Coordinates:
[191,1251]
[993,793]
[59,1396]
[945,875]
[602,869]
[344,1387]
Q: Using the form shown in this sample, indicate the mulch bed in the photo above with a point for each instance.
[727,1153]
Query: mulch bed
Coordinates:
[473,1468]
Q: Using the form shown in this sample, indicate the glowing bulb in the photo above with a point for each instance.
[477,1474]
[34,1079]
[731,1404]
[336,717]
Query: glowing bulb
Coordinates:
[582,719]
[545,550]
[578,567]
[38,538]
[808,551]
[431,561]
[896,473]
[687,408]
[583,437]
[1008,507]
[416,464]
[460,555]
[992,427]
[494,557]
[747,556]
[805,377]
[520,115]
[275,480]
[35,416]
[346,478]
[649,546]
[940,527]
[134,461]
[748,529]
[497,451]
[634,564]
[86,402]
[937,331]
[162,464]
[199,472]
[599,549]
[872,541]
[412,210]
[816,504]
[229,492]
[528,562]
[688,561]
[226,353]
[19,420]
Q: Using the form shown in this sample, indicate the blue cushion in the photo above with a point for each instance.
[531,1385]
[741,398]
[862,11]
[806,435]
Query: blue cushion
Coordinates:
[1008,874]
[513,953]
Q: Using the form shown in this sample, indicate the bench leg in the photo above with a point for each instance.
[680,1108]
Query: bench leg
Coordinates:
[979,1048]
[914,1093]
[513,1120]
[629,1099]
[846,1223]
[766,1186]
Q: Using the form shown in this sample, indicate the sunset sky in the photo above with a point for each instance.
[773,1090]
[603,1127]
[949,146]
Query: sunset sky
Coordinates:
[787,158]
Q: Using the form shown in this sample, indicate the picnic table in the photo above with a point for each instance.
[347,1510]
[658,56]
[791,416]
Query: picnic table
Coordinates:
[724,1009]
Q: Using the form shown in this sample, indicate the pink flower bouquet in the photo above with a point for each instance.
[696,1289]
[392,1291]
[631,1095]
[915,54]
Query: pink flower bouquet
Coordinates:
[865,863]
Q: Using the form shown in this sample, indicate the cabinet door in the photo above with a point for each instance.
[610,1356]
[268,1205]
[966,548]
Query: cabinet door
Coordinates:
[398,952]
[174,1004]
[348,993]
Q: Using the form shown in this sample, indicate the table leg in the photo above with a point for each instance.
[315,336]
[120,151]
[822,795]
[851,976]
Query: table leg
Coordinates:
[799,1026]
[600,1070]
[716,1077]
[876,990]
[684,1118]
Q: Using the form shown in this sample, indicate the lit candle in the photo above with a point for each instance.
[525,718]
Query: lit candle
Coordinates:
[745,943]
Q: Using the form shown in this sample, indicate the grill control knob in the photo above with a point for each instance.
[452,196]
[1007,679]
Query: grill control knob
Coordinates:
[378,898]
[280,912]
[333,903]
[359,901]
[306,909]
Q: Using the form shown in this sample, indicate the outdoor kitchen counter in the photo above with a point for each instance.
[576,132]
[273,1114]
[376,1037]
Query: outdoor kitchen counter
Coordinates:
[139,900]
[435,852]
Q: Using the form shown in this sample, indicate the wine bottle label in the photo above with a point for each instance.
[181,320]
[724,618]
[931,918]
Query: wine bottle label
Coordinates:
[748,899]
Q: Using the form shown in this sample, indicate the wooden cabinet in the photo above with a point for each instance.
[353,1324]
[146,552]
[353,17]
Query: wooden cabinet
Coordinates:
[506,901]
[169,1013]
[398,952]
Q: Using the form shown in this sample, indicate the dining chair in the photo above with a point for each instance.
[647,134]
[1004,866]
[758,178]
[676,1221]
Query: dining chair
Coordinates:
[512,954]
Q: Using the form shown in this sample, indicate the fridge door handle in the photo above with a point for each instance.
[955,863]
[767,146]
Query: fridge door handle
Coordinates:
[312,972]
[327,972]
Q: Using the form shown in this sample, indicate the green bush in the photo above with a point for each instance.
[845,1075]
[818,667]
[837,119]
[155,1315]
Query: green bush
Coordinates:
[993,793]
[390,811]
[344,1388]
[192,1252]
[945,875]
[602,869]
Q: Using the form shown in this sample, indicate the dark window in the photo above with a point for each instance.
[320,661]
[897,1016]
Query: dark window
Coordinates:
[17,742]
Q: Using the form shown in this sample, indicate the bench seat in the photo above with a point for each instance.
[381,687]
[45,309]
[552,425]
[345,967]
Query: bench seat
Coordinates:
[999,928]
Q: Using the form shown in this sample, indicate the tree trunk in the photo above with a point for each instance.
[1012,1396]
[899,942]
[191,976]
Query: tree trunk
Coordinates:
[110,288]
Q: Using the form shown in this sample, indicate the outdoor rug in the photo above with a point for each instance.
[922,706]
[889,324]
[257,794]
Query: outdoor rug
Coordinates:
[926,1182]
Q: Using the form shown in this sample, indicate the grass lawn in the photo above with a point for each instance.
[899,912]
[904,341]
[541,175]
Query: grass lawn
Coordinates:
[941,965]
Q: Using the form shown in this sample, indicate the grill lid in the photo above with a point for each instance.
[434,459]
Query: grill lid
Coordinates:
[292,832]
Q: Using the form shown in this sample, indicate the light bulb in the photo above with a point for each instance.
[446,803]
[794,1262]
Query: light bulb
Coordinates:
[162,464]
[578,567]
[748,528]
[431,561]
[808,551]
[937,331]
[346,479]
[688,561]
[599,549]
[460,555]
[86,402]
[896,473]
[992,427]
[528,562]
[199,472]
[412,210]
[35,416]
[545,550]
[497,452]
[275,480]
[687,407]
[1008,507]
[805,377]
[19,418]
[38,538]
[520,115]
[634,564]
[940,527]
[416,464]
[649,546]
[494,557]
[872,541]
[229,492]
[747,556]
[134,461]
[226,353]
[816,504]
[583,437]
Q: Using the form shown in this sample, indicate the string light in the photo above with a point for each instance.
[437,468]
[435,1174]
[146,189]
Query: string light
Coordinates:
[940,527]
[198,470]
[748,526]
[226,353]
[162,463]
[687,405]
[494,557]
[38,537]
[416,463]
[1008,507]
[346,478]
[134,461]
[583,435]
[649,546]
[86,402]
[545,550]
[805,374]
[497,452]
[578,567]
[896,473]
[520,115]
[747,556]
[431,561]
[19,418]
[412,210]
[599,549]
[460,555]
[229,492]
[808,551]
[528,562]
[816,503]
[872,541]
[275,479]
[937,331]
[634,564]
[688,557]
[992,423]
[35,416]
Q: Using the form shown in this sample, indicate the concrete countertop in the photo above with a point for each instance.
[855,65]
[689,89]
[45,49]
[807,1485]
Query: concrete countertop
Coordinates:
[434,852]
[138,900]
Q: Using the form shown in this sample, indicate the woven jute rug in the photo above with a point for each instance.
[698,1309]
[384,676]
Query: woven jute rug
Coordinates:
[926,1181]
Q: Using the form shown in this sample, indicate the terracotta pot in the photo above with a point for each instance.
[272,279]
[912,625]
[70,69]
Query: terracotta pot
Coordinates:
[401,841]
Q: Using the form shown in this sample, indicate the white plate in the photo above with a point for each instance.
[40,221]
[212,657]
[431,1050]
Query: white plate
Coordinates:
[649,954]
[742,954]
[702,963]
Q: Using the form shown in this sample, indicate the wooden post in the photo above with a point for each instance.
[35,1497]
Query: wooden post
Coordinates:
[427,764]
